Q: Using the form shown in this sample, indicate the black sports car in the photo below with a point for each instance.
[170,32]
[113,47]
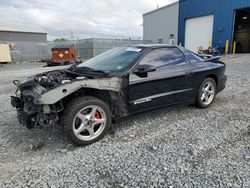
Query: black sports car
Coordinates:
[86,98]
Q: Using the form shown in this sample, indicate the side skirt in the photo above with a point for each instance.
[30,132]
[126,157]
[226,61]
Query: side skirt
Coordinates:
[118,120]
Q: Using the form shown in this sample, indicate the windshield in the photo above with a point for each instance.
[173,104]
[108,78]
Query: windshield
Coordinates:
[116,59]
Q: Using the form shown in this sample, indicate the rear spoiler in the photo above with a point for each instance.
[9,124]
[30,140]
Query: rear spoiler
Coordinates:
[214,59]
[208,57]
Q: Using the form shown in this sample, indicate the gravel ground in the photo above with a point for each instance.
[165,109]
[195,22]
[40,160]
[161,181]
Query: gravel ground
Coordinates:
[179,146]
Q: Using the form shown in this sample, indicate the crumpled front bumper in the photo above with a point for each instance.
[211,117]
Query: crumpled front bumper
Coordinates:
[26,93]
[26,112]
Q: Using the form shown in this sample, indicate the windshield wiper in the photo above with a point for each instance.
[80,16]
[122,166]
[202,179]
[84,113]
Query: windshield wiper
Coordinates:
[87,70]
[75,68]
[90,70]
[98,72]
[83,68]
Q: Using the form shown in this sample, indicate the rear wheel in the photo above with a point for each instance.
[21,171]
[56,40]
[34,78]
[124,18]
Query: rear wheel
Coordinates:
[86,120]
[206,93]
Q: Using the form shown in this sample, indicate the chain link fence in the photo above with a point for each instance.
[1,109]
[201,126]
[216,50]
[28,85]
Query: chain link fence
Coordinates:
[86,48]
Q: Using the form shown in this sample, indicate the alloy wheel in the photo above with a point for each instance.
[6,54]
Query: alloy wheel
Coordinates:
[208,93]
[89,123]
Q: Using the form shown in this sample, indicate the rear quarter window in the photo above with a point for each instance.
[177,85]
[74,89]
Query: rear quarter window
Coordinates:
[193,58]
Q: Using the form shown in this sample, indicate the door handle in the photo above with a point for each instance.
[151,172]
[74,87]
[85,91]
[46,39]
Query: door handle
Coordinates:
[188,74]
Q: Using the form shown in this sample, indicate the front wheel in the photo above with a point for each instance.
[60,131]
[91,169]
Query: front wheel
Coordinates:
[86,120]
[206,93]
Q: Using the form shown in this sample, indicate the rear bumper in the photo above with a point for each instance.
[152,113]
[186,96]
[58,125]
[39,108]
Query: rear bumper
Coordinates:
[221,84]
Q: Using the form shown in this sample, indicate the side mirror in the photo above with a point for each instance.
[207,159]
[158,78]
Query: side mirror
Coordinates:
[144,69]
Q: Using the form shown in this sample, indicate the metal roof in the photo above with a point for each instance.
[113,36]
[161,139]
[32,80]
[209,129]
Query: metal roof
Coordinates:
[20,28]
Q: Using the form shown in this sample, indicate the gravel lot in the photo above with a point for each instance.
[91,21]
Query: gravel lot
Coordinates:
[179,146]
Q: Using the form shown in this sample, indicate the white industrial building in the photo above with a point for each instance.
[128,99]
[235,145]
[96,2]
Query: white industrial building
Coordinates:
[161,25]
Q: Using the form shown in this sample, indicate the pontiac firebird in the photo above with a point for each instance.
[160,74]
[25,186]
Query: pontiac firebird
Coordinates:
[87,98]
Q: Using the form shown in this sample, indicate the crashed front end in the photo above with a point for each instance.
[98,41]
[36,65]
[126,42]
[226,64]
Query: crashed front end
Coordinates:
[31,111]
[38,100]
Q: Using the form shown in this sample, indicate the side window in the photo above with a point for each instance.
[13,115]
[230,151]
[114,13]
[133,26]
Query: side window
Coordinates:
[193,58]
[164,56]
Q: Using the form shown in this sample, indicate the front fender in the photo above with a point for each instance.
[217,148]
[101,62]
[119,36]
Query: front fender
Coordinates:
[58,93]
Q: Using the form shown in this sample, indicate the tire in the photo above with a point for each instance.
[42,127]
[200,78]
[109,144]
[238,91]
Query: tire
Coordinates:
[86,120]
[206,93]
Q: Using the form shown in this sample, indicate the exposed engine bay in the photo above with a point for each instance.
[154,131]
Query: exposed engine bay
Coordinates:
[40,99]
[52,79]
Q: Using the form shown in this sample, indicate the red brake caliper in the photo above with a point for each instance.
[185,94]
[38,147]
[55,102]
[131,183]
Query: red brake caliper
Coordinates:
[98,115]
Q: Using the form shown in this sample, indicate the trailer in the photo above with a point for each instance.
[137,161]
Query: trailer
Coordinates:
[5,53]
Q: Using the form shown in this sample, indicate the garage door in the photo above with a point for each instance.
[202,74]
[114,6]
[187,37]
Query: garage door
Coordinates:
[198,32]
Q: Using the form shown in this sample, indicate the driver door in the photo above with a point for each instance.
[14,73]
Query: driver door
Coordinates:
[168,83]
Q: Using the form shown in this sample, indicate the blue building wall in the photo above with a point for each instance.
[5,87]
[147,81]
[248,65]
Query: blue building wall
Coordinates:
[223,11]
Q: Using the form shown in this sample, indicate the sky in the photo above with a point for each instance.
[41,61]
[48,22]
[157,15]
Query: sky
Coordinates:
[74,19]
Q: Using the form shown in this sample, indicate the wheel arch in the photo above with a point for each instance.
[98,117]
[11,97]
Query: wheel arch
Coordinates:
[115,100]
[214,77]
